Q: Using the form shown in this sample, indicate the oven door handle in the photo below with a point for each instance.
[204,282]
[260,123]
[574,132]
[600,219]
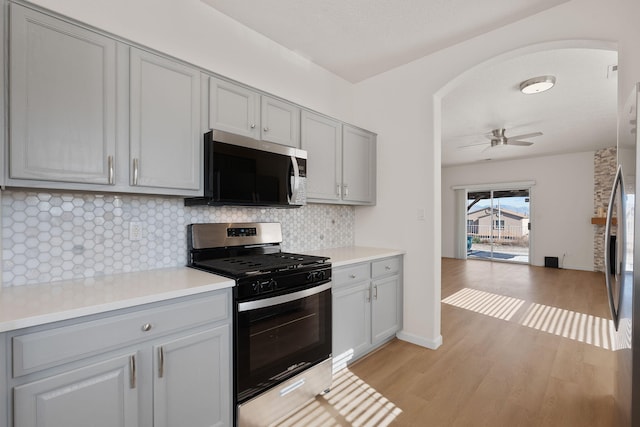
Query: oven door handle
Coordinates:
[281,299]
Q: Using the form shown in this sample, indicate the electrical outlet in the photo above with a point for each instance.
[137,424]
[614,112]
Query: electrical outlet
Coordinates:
[135,231]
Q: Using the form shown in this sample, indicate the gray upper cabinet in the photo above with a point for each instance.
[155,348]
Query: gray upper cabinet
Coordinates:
[280,122]
[358,166]
[62,100]
[240,110]
[234,108]
[341,164]
[165,124]
[321,137]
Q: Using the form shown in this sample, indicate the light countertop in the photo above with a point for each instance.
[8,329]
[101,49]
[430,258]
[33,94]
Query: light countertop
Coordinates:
[31,305]
[354,254]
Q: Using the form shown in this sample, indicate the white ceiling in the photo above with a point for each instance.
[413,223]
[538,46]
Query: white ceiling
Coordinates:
[578,114]
[357,39]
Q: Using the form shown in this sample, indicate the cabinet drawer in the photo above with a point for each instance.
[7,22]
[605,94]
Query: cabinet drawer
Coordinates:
[44,349]
[386,266]
[352,274]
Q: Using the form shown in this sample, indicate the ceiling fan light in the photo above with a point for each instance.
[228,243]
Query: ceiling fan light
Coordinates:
[537,84]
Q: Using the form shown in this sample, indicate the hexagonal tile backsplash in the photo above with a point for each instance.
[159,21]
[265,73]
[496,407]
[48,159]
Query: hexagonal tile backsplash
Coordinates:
[57,236]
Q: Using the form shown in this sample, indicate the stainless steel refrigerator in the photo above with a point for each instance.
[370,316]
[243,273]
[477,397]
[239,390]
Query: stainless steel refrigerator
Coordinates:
[623,283]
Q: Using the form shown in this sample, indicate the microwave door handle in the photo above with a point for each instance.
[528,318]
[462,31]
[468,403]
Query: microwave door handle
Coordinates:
[293,186]
[617,183]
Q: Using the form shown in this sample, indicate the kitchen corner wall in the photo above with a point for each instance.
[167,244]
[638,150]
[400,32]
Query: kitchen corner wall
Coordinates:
[605,163]
[48,237]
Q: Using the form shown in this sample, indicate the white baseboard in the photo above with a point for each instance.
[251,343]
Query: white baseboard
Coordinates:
[421,341]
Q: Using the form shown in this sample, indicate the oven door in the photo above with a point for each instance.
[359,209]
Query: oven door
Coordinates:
[281,336]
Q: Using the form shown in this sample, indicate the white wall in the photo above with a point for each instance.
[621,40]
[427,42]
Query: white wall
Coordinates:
[403,106]
[561,204]
[194,32]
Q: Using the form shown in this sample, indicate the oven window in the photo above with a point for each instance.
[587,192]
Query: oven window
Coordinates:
[277,342]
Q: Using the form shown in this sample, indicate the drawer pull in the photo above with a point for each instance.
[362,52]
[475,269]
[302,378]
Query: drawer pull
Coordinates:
[352,276]
[386,267]
[147,327]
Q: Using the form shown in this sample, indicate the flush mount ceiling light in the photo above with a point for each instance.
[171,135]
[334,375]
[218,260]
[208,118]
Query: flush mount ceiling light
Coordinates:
[537,84]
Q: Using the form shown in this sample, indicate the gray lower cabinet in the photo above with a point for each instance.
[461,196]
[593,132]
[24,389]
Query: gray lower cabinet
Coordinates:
[197,363]
[367,307]
[69,399]
[164,364]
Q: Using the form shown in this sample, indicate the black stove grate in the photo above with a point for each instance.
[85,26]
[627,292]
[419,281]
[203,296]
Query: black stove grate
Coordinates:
[241,266]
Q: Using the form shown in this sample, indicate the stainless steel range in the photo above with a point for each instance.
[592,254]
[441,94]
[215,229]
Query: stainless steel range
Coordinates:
[282,319]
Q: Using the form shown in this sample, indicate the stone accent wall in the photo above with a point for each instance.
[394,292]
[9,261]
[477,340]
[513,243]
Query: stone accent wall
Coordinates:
[605,162]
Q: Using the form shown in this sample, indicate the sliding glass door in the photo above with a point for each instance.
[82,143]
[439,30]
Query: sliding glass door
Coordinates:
[498,225]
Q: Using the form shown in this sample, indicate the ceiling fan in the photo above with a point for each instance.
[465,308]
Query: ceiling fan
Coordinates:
[498,138]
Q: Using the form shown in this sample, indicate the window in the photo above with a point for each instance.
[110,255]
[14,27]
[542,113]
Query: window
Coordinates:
[498,224]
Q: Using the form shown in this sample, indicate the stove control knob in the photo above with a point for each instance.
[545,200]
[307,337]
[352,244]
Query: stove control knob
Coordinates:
[273,284]
[321,275]
[256,287]
[311,276]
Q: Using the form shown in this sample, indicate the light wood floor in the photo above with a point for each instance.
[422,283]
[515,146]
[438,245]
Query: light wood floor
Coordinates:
[529,349]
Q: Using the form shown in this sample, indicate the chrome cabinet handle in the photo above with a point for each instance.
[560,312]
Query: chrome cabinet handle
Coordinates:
[368,297]
[375,292]
[386,267]
[136,166]
[160,362]
[147,327]
[111,170]
[346,190]
[266,129]
[352,276]
[252,125]
[338,190]
[132,371]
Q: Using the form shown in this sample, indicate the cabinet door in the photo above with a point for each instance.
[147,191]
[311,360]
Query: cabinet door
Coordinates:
[100,395]
[358,166]
[233,108]
[351,323]
[385,308]
[280,122]
[62,100]
[192,381]
[165,117]
[321,137]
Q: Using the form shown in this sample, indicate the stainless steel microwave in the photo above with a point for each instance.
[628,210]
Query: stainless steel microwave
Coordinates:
[241,171]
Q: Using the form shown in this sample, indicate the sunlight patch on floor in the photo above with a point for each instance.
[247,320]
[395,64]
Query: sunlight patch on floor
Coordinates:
[351,401]
[576,326]
[494,305]
[573,325]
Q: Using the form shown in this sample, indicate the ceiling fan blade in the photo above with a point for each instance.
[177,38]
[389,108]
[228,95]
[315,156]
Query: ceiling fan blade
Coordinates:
[524,136]
[464,147]
[522,143]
